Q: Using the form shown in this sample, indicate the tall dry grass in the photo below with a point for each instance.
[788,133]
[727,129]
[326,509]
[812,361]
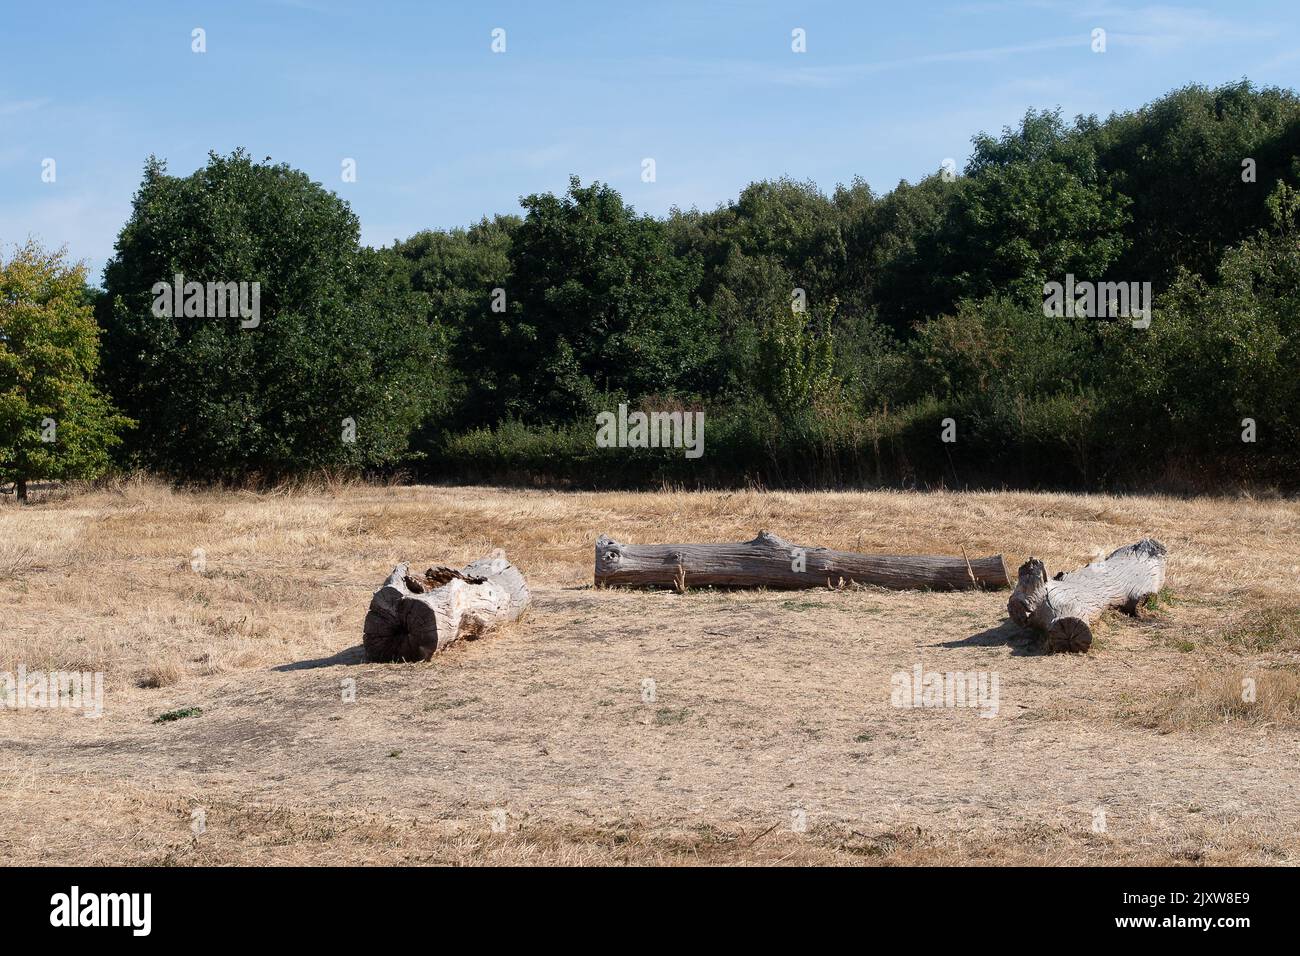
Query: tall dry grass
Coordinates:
[156,583]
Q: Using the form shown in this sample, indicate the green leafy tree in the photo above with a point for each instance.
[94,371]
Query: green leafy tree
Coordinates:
[1198,165]
[895,263]
[54,423]
[1036,205]
[798,361]
[779,236]
[460,271]
[598,304]
[795,225]
[339,367]
[1219,353]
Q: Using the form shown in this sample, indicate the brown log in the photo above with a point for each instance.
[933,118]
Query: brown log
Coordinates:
[411,618]
[1065,607]
[769,561]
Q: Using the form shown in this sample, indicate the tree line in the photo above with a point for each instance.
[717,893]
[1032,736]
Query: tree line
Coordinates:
[856,336]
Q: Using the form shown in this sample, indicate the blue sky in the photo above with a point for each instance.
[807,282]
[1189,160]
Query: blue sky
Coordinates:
[444,131]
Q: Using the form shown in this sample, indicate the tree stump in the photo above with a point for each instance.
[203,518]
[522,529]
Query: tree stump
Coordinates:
[1065,607]
[412,618]
[770,561]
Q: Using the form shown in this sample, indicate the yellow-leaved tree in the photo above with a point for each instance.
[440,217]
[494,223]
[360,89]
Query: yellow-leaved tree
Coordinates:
[54,422]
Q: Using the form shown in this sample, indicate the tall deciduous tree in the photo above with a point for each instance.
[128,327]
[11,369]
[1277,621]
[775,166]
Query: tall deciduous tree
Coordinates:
[465,273]
[54,423]
[598,303]
[339,367]
[1199,165]
[1036,205]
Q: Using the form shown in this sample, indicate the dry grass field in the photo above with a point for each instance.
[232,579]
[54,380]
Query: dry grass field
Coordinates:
[771,736]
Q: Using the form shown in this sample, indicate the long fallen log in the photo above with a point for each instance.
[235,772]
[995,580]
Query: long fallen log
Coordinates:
[770,561]
[1065,607]
[411,618]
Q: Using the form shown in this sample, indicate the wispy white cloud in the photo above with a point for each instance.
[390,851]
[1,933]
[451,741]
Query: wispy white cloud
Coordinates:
[302,5]
[980,54]
[837,75]
[1159,27]
[13,107]
[1285,58]
[1165,29]
[1154,28]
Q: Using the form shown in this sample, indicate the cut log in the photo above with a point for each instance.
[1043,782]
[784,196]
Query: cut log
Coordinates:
[1065,607]
[769,561]
[411,618]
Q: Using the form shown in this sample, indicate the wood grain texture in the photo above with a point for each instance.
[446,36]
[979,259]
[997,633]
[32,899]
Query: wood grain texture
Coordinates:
[770,561]
[1065,607]
[411,618]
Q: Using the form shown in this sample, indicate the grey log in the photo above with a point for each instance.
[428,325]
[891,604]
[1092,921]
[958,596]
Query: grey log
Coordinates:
[1065,607]
[770,561]
[412,618]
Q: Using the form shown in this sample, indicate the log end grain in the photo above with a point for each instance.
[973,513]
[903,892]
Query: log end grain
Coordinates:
[1069,635]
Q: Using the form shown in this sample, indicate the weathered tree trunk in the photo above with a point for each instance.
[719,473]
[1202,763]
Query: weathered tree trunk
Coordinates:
[20,491]
[412,618]
[769,561]
[1065,607]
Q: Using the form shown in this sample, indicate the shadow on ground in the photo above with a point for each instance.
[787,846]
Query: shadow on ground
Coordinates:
[353,655]
[1023,643]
